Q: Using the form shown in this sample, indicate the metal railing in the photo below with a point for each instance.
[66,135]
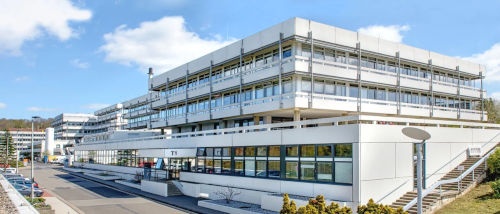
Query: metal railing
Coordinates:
[454,180]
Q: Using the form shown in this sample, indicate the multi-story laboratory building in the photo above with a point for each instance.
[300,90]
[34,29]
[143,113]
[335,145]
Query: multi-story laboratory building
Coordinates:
[22,138]
[306,109]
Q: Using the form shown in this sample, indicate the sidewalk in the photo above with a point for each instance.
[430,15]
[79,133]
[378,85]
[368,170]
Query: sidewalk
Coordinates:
[59,206]
[184,202]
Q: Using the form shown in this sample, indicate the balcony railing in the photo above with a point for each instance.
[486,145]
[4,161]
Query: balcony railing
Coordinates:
[335,121]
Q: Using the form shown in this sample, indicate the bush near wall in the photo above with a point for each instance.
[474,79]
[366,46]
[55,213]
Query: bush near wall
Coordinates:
[495,185]
[493,163]
[318,206]
[374,208]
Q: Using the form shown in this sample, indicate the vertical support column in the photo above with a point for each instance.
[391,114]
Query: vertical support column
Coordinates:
[481,95]
[186,100]
[268,119]
[358,75]
[256,120]
[431,89]
[166,101]
[296,117]
[311,70]
[241,77]
[281,70]
[398,58]
[211,89]
[458,93]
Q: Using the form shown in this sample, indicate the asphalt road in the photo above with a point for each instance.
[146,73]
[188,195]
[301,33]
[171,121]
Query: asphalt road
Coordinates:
[88,197]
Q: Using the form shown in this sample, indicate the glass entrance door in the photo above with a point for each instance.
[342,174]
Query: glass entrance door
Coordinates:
[174,168]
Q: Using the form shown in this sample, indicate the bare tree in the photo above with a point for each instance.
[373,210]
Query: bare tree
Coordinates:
[227,194]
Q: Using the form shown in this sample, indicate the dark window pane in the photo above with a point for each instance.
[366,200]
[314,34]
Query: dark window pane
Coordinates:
[261,151]
[292,151]
[274,169]
[249,151]
[274,151]
[343,150]
[307,170]
[261,169]
[200,152]
[238,151]
[307,151]
[209,166]
[325,151]
[292,170]
[325,171]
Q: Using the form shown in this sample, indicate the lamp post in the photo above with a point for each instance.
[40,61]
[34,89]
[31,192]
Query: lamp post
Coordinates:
[418,134]
[32,158]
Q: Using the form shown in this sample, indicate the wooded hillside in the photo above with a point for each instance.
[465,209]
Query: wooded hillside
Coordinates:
[41,123]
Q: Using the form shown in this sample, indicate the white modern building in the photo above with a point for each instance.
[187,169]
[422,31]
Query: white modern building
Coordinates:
[22,138]
[306,109]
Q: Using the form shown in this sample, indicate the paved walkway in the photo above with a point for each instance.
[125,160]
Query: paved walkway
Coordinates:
[85,196]
[184,202]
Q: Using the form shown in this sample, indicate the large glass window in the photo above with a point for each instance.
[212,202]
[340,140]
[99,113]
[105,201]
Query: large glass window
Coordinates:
[274,169]
[249,167]
[292,170]
[343,172]
[274,151]
[292,151]
[343,150]
[307,169]
[307,151]
[261,151]
[261,168]
[238,167]
[325,171]
[324,151]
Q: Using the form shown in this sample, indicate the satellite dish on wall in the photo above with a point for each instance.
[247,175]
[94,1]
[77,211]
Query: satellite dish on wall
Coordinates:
[415,133]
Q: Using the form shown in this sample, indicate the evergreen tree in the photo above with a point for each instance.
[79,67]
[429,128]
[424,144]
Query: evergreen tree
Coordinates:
[4,150]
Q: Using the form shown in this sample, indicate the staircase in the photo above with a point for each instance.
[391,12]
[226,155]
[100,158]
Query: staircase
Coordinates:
[446,190]
[172,189]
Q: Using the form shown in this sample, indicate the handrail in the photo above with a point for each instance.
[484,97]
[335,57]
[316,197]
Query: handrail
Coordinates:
[394,190]
[448,181]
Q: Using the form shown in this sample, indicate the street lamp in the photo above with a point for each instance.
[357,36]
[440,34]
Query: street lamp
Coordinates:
[418,134]
[32,160]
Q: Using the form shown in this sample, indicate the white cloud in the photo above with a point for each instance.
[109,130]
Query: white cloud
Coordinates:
[491,59]
[391,32]
[79,64]
[22,78]
[95,106]
[23,20]
[161,44]
[39,109]
[3,105]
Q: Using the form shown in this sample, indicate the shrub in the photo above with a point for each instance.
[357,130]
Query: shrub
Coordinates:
[495,185]
[315,206]
[372,207]
[493,163]
[288,207]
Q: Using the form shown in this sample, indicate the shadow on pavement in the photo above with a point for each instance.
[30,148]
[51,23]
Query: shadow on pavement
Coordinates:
[96,188]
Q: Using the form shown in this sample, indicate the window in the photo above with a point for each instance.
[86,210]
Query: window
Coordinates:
[307,151]
[217,166]
[261,151]
[249,167]
[353,91]
[343,172]
[292,151]
[238,151]
[324,151]
[305,85]
[343,150]
[291,170]
[249,151]
[307,169]
[274,169]
[325,171]
[274,151]
[209,166]
[238,167]
[261,168]
[226,166]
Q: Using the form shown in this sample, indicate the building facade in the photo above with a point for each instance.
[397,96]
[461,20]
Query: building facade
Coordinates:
[22,138]
[303,108]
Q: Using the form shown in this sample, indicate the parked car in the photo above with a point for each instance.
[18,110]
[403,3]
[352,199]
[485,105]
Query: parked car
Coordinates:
[12,176]
[23,182]
[26,191]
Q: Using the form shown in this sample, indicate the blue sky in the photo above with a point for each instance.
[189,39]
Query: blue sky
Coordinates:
[78,56]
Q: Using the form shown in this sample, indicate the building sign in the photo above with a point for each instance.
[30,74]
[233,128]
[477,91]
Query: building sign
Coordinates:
[173,153]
